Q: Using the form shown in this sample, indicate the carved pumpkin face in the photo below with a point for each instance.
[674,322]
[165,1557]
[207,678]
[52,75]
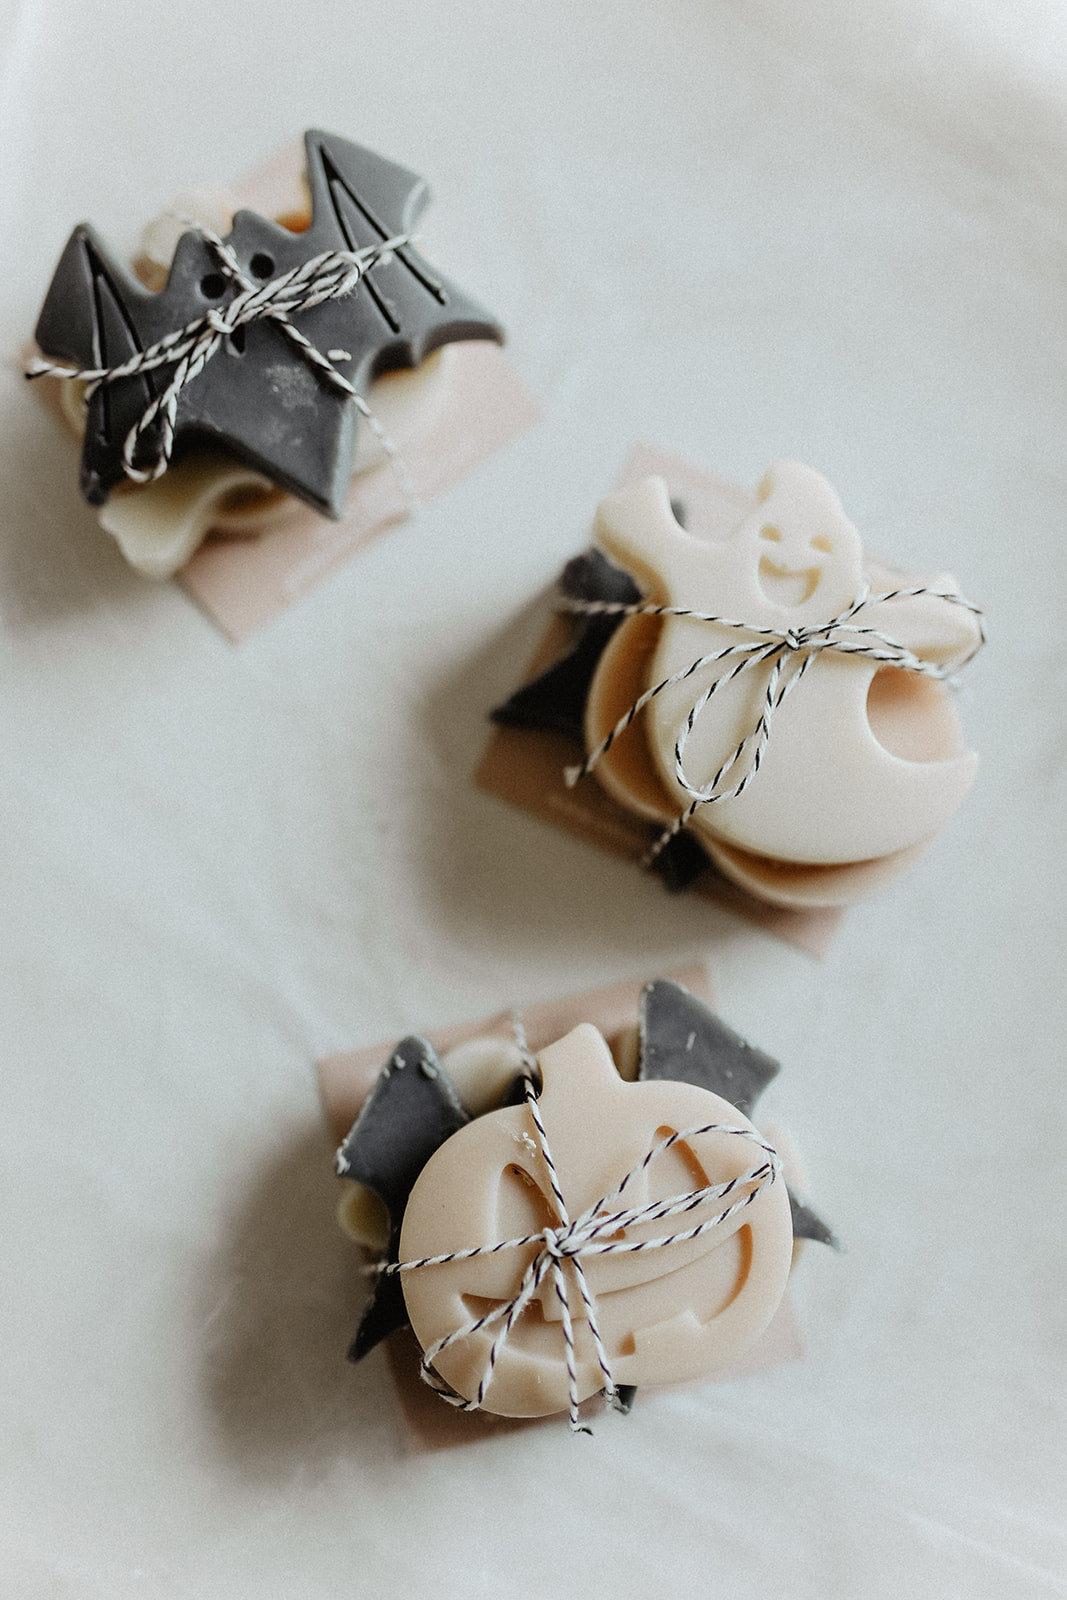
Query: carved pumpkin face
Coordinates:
[665,1315]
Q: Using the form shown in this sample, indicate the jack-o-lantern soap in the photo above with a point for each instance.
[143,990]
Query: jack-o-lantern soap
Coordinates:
[584,1232]
[253,361]
[774,702]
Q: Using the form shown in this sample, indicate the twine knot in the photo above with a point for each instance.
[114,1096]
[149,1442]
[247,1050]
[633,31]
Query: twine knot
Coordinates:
[560,1243]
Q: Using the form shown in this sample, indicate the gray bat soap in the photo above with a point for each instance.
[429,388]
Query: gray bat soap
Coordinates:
[259,397]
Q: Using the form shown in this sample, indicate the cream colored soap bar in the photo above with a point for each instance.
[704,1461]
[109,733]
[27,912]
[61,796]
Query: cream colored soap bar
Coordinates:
[158,526]
[859,763]
[664,1312]
[465,1143]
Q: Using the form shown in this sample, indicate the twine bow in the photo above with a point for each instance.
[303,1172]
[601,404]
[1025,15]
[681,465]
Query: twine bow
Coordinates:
[561,1250]
[328,276]
[789,653]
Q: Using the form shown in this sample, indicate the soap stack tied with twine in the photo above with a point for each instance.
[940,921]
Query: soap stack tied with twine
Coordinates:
[281,351]
[582,1232]
[774,703]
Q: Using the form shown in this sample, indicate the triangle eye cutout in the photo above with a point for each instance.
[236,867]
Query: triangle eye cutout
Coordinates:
[520,1205]
[675,1170]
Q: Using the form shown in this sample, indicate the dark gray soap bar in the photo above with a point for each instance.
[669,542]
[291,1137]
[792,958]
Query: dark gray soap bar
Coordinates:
[258,398]
[411,1110]
[681,1038]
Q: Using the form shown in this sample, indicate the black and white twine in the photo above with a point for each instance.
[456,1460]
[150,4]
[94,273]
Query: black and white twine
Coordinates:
[788,653]
[600,1230]
[328,276]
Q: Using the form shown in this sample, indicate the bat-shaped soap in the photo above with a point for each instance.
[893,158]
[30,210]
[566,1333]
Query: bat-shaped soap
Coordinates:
[264,396]
[415,1113]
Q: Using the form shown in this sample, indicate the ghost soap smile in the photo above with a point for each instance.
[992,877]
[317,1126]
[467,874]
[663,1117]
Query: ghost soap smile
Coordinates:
[255,359]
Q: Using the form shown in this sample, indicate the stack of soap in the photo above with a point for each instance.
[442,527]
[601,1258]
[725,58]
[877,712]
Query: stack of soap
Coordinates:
[586,1221]
[263,424]
[775,701]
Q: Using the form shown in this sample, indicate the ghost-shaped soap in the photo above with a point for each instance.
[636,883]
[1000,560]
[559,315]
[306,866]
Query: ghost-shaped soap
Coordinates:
[865,761]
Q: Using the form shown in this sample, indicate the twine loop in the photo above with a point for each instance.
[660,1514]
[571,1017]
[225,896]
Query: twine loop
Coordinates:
[789,653]
[328,276]
[564,1247]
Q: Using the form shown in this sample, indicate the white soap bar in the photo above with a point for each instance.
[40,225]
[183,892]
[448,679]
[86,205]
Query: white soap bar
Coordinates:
[665,1313]
[864,761]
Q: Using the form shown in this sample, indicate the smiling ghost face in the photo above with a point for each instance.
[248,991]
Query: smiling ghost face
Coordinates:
[799,550]
[665,1315]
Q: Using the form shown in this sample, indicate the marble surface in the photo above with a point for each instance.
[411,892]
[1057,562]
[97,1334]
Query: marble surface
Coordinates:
[740,230]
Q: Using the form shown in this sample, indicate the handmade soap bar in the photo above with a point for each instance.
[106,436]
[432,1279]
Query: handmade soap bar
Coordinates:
[579,1182]
[240,370]
[775,693]
[828,790]
[601,1221]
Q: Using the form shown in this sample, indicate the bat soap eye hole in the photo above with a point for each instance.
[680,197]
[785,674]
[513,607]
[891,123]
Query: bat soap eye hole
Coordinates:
[823,542]
[212,286]
[261,265]
[771,533]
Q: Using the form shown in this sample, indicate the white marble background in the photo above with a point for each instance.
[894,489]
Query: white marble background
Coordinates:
[741,230]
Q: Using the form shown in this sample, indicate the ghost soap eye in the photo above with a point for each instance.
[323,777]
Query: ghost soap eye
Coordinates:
[254,360]
[539,1265]
[770,700]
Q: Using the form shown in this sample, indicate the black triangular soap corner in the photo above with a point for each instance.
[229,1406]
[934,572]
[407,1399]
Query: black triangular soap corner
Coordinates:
[409,1113]
[555,701]
[681,1038]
